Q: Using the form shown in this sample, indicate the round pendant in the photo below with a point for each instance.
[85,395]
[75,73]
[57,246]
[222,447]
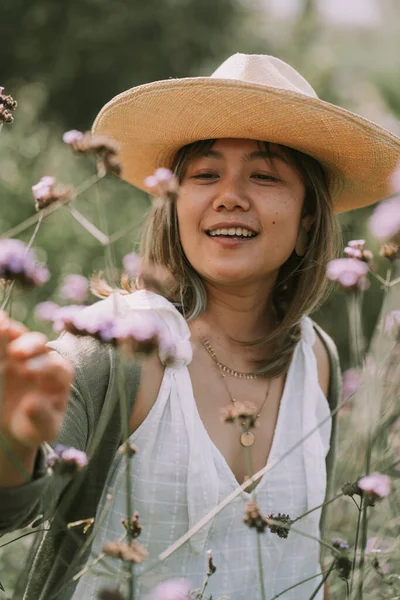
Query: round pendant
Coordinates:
[247,439]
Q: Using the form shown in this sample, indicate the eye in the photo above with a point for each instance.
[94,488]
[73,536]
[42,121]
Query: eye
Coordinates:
[265,177]
[205,176]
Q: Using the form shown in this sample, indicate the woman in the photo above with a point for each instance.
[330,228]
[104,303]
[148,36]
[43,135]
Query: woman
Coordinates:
[247,243]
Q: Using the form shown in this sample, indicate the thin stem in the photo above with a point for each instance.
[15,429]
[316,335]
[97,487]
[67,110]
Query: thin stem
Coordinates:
[124,412]
[86,224]
[317,507]
[292,587]
[322,583]
[249,460]
[23,535]
[45,212]
[353,567]
[364,534]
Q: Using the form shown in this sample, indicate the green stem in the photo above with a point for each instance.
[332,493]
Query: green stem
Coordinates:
[250,468]
[292,587]
[322,583]
[364,536]
[353,568]
[124,412]
[317,507]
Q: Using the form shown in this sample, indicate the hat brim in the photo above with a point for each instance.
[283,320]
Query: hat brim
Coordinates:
[153,121]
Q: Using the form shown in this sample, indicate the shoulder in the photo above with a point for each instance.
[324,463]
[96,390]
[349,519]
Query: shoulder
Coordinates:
[323,364]
[325,353]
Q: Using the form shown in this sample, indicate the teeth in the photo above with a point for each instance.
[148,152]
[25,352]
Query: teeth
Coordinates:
[234,231]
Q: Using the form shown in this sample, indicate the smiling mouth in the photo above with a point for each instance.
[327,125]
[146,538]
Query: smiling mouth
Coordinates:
[233,233]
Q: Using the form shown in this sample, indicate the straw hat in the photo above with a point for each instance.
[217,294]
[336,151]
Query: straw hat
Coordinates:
[257,97]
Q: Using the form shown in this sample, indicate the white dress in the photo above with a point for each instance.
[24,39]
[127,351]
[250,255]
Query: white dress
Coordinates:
[179,475]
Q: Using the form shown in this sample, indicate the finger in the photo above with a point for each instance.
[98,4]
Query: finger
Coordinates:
[51,371]
[28,345]
[10,328]
[37,422]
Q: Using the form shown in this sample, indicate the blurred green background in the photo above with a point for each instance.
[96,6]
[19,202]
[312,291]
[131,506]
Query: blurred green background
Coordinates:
[63,60]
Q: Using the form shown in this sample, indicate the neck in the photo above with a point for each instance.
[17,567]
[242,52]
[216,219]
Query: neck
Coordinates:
[241,313]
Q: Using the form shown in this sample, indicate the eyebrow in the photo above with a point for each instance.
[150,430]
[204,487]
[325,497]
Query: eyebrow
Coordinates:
[256,155]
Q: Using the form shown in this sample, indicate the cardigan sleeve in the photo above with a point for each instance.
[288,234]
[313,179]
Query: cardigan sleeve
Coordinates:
[21,504]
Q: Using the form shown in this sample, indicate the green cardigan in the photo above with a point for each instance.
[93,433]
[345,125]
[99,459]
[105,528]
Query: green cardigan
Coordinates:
[56,557]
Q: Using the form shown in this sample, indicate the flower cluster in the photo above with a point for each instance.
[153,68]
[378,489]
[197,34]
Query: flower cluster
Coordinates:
[163,185]
[390,251]
[131,263]
[376,484]
[131,332]
[349,273]
[74,288]
[351,382]
[356,249]
[242,412]
[133,527]
[66,460]
[343,564]
[7,106]
[371,488]
[384,222]
[104,148]
[279,524]
[130,552]
[45,193]
[18,262]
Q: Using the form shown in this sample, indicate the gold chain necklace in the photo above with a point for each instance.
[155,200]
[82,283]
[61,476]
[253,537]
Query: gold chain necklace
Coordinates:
[247,437]
[226,369]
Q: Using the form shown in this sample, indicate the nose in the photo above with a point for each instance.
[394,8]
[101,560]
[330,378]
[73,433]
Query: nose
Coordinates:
[230,196]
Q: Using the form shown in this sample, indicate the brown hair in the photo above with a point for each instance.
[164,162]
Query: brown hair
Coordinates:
[301,285]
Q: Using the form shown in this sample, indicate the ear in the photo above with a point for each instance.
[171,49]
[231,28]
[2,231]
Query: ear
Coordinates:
[307,221]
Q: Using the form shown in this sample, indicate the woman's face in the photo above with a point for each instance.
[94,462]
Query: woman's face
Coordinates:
[239,211]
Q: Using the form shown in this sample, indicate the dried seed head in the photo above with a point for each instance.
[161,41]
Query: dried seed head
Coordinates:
[253,517]
[128,448]
[131,552]
[104,147]
[390,251]
[133,527]
[211,567]
[279,524]
[242,412]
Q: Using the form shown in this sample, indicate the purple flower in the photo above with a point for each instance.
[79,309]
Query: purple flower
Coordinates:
[72,136]
[67,460]
[377,484]
[384,222]
[351,382]
[45,311]
[18,262]
[131,263]
[64,315]
[349,273]
[173,589]
[44,188]
[163,184]
[75,288]
[340,544]
[356,249]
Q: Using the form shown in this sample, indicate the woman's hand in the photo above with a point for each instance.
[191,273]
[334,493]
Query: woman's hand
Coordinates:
[35,391]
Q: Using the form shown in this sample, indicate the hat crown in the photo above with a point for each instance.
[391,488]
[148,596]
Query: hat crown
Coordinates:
[264,70]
